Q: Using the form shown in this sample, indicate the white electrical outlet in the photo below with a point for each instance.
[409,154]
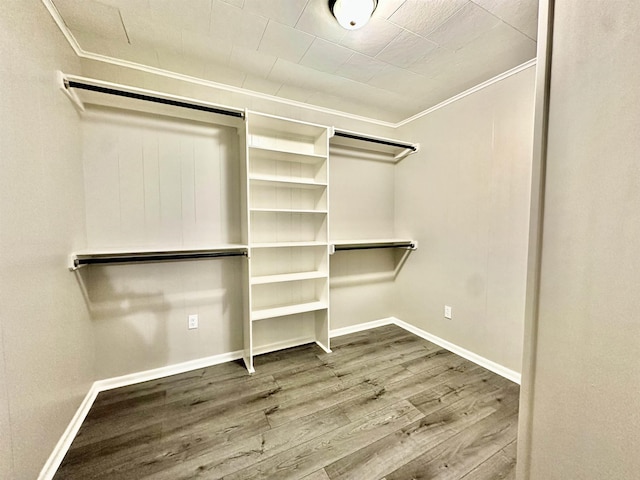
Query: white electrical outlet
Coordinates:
[193,321]
[447,312]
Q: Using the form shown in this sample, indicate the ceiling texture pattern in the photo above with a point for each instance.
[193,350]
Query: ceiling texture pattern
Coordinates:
[412,55]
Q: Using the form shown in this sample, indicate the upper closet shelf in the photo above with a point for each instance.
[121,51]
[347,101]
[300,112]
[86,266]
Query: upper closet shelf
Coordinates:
[396,149]
[88,91]
[114,256]
[287,156]
[372,244]
[284,181]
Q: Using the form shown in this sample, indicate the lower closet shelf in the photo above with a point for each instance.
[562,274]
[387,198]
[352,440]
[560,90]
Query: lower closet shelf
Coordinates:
[303,243]
[287,277]
[283,311]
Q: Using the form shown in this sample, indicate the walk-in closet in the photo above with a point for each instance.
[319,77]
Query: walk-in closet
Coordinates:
[318,239]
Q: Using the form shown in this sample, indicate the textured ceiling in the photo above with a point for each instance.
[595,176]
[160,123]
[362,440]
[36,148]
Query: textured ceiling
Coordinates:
[412,55]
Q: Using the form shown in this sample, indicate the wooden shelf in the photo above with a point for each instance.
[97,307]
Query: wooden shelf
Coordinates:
[285,181]
[286,210]
[285,310]
[265,153]
[287,277]
[277,126]
[289,244]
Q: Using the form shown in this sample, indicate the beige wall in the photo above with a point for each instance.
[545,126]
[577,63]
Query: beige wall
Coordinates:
[46,349]
[585,411]
[362,206]
[465,198]
[6,439]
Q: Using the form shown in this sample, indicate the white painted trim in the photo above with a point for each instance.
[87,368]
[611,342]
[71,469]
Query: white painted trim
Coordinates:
[230,88]
[57,455]
[156,373]
[472,357]
[243,91]
[536,222]
[338,332]
[53,11]
[459,96]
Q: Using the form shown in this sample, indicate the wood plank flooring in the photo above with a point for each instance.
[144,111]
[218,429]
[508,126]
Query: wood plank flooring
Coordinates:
[385,405]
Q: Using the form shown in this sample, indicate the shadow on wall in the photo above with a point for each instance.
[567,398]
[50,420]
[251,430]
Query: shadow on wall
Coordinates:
[363,267]
[130,318]
[139,312]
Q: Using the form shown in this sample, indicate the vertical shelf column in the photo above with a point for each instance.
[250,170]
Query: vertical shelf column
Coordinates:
[287,172]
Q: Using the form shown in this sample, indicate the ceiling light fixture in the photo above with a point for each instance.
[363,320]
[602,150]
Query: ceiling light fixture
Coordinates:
[352,14]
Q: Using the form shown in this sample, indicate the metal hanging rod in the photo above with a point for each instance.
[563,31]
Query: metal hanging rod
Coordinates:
[364,138]
[371,246]
[149,98]
[109,259]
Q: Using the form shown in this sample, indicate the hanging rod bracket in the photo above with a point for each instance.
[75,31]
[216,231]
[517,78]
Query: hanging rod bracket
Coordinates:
[63,82]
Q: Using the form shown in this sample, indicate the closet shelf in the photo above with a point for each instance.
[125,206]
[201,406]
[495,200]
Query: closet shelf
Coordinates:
[285,310]
[265,153]
[289,244]
[276,126]
[285,182]
[138,255]
[286,210]
[89,91]
[287,277]
[396,149]
[340,245]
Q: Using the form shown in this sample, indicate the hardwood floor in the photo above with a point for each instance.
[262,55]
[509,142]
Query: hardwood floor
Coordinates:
[384,405]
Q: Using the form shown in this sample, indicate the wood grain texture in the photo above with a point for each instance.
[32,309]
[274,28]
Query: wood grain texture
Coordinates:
[385,405]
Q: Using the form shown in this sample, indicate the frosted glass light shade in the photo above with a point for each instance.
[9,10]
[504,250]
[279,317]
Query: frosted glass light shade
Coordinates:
[353,14]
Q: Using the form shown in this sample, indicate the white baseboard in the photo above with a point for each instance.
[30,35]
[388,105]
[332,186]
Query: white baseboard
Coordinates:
[56,457]
[338,332]
[156,373]
[472,357]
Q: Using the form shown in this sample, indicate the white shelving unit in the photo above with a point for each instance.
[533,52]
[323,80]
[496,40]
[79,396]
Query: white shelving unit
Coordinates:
[288,234]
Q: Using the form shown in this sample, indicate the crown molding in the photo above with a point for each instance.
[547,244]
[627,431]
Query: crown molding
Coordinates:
[81,53]
[480,86]
[55,14]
